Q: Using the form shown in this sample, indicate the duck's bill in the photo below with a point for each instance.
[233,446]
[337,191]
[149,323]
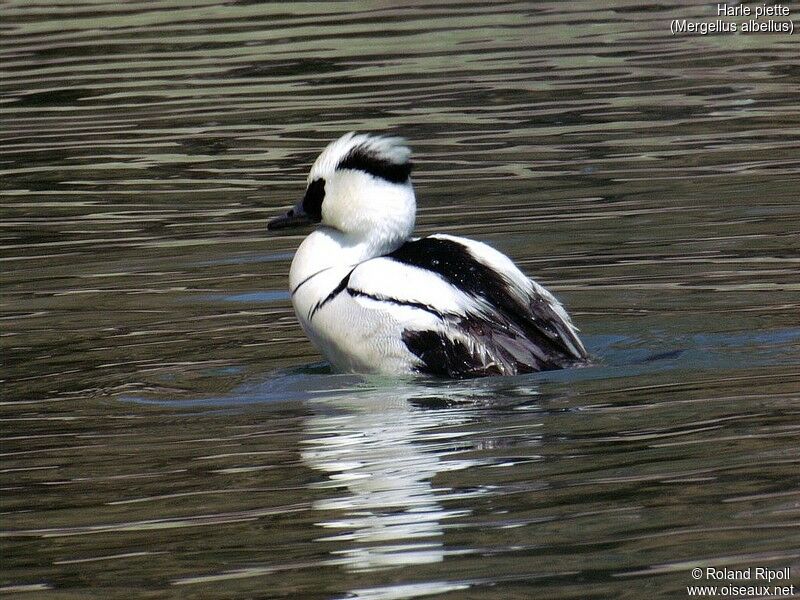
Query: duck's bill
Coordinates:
[293,218]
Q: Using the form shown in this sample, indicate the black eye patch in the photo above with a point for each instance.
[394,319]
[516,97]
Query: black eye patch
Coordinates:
[312,201]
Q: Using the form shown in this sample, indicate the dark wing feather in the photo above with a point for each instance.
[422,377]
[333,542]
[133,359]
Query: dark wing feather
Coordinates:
[517,331]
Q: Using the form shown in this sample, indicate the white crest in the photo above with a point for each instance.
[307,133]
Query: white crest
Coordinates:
[368,191]
[391,149]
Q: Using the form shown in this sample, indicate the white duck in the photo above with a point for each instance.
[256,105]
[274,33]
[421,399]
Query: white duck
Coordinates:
[374,300]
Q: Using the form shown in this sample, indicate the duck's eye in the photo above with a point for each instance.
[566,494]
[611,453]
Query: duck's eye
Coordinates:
[312,201]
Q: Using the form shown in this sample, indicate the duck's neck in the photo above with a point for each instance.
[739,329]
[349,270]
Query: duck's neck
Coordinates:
[328,249]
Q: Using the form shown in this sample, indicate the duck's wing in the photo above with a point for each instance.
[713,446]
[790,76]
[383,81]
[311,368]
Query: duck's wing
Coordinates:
[483,315]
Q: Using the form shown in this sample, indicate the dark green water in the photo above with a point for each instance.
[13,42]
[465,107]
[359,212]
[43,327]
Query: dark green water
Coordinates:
[167,430]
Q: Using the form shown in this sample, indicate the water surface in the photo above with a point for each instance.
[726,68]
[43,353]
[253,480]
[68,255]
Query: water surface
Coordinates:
[169,432]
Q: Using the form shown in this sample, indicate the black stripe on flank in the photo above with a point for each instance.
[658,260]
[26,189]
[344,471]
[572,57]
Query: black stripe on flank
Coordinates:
[395,301]
[334,292]
[362,158]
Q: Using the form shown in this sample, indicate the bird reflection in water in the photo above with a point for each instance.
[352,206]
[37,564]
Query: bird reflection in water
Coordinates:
[381,452]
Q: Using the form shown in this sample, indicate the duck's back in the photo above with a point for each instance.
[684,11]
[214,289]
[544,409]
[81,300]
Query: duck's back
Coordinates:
[463,309]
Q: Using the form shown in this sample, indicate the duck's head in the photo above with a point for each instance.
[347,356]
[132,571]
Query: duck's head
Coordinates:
[360,186]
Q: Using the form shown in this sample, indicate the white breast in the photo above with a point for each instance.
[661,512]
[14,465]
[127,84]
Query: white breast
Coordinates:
[354,333]
[357,333]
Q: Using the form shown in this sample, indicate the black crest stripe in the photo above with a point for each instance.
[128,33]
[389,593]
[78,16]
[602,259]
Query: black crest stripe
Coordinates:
[364,159]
